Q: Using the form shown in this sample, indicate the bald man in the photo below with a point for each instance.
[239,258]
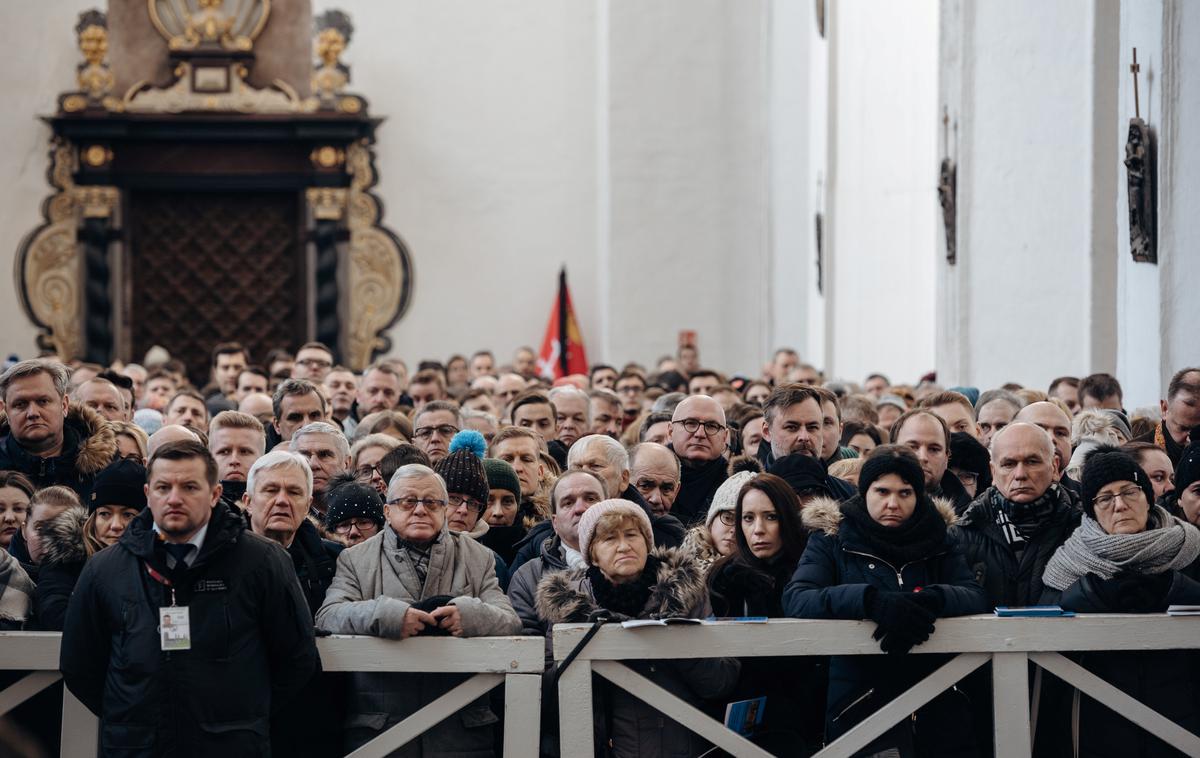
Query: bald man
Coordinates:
[1057,424]
[699,438]
[169,433]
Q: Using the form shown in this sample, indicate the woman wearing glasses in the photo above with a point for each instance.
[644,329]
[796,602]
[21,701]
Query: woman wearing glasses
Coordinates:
[1128,556]
[417,577]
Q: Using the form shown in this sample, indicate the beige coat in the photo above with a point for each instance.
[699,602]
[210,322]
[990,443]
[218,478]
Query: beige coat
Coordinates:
[373,588]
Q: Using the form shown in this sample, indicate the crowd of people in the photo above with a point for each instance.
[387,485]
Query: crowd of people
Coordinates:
[191,543]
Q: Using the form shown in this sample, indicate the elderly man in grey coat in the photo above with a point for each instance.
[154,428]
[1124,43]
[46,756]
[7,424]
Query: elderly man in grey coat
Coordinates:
[416,577]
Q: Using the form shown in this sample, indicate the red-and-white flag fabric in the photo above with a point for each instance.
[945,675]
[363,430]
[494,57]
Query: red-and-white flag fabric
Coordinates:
[562,347]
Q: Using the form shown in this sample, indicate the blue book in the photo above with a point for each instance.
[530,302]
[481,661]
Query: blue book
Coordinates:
[745,716]
[1034,611]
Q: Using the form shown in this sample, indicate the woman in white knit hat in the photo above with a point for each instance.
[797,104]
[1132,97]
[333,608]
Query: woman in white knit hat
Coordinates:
[625,577]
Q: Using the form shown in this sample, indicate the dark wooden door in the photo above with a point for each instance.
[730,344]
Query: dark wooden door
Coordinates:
[209,267]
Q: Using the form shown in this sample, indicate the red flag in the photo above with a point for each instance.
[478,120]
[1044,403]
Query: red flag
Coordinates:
[562,347]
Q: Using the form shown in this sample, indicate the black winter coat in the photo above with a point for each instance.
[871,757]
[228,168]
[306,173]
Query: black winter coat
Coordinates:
[63,557]
[315,561]
[1167,681]
[252,643]
[831,582]
[89,444]
[839,489]
[1006,580]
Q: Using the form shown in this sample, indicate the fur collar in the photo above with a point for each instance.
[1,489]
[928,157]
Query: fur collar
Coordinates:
[98,443]
[825,514]
[62,537]
[566,596]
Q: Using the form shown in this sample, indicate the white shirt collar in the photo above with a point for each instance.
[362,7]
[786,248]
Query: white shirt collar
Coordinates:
[197,540]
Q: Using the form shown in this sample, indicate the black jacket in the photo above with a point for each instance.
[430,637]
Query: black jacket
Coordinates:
[89,445]
[832,581]
[950,488]
[698,482]
[63,557]
[252,643]
[315,561]
[994,564]
[1168,681]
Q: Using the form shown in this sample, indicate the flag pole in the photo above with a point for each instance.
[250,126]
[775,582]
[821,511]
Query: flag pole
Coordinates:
[562,320]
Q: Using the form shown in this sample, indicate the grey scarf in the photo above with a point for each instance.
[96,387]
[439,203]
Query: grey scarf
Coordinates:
[1167,544]
[16,590]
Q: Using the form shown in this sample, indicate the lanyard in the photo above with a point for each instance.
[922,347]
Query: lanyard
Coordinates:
[161,580]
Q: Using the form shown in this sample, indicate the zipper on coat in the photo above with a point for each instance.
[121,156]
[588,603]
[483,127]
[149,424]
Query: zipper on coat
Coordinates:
[853,703]
[898,571]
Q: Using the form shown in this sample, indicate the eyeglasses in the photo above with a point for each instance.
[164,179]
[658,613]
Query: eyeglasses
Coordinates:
[967,477]
[691,425]
[361,524]
[630,389]
[367,472]
[1127,495]
[445,430]
[410,503]
[457,500]
[315,363]
[728,518]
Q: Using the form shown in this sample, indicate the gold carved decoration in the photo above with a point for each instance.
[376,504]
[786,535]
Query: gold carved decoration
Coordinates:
[49,267]
[379,277]
[193,24]
[240,96]
[327,203]
[97,156]
[327,156]
[93,76]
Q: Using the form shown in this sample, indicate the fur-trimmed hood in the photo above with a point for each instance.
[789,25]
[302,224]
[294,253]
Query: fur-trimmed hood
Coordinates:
[824,514]
[565,597]
[699,544]
[97,441]
[62,537]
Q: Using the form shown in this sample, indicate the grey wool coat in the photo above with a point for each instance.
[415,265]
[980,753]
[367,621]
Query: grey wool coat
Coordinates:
[374,586]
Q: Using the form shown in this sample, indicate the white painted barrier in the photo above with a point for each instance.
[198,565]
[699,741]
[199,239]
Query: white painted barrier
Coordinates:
[515,662]
[1009,643]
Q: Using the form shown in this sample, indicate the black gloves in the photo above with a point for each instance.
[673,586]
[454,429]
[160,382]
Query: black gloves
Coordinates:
[903,621]
[1143,593]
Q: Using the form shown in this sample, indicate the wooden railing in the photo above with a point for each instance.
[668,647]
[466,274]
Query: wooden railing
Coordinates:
[515,662]
[1008,643]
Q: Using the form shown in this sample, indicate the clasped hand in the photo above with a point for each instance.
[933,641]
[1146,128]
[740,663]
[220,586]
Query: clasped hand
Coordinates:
[904,619]
[446,617]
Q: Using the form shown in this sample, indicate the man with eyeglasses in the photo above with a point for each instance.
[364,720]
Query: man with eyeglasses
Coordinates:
[655,471]
[434,425]
[699,438]
[313,362]
[630,387]
[416,577]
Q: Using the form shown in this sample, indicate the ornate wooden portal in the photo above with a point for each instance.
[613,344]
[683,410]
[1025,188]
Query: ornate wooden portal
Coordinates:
[208,209]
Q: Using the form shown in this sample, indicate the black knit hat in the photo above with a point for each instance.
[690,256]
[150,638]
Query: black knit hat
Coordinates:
[892,459]
[502,476]
[347,497]
[463,469]
[121,484]
[969,454]
[1188,470]
[803,473]
[1105,465]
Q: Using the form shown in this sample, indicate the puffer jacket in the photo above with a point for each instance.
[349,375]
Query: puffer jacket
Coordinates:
[1168,681]
[635,728]
[1006,580]
[374,587]
[63,557]
[832,581]
[252,643]
[89,444]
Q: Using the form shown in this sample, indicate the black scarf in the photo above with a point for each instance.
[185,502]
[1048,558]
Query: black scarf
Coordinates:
[1027,518]
[629,598]
[917,538]
[697,484]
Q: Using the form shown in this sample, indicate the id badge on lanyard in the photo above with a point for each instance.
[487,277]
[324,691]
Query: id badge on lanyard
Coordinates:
[174,627]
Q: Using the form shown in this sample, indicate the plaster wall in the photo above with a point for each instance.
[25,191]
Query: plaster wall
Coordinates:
[1028,87]
[882,189]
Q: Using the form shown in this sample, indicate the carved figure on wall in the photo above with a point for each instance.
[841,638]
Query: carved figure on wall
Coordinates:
[194,24]
[330,77]
[94,77]
[1140,168]
[947,197]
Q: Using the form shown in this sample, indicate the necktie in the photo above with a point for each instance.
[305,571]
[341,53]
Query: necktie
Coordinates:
[179,553]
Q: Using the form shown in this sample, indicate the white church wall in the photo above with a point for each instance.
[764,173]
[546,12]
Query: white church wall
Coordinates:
[1026,84]
[37,61]
[882,189]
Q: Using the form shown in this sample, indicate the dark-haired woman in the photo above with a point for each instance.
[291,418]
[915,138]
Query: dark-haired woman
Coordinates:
[885,555]
[770,540]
